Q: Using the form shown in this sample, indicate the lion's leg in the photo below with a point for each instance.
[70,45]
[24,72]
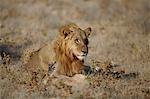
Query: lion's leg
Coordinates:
[51,68]
[45,79]
[56,73]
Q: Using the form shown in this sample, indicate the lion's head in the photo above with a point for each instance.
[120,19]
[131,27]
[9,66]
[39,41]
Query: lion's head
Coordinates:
[76,40]
[71,48]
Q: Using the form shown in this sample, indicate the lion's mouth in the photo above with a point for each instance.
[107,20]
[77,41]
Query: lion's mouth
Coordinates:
[81,57]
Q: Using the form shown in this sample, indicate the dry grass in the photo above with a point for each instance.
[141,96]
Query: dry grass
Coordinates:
[119,46]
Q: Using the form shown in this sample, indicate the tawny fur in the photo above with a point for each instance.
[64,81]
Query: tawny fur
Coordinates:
[60,51]
[68,64]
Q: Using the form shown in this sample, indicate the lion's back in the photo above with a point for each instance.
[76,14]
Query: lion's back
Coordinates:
[41,58]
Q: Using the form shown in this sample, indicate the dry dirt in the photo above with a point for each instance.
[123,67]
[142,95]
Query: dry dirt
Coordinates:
[119,47]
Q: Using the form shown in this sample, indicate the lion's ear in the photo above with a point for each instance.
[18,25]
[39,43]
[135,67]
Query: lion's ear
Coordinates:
[88,31]
[64,31]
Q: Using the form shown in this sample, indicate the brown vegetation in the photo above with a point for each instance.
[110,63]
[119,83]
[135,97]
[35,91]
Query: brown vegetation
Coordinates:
[119,48]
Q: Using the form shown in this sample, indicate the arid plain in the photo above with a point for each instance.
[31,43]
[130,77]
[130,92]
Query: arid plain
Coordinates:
[119,46]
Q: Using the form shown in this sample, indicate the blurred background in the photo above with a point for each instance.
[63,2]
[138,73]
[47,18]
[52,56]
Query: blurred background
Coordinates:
[121,28]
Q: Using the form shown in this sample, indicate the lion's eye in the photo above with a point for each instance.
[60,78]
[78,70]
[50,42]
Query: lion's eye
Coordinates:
[77,40]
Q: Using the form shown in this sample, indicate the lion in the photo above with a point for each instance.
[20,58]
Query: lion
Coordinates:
[66,53]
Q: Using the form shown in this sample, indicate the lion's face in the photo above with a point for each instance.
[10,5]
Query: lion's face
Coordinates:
[76,40]
[78,44]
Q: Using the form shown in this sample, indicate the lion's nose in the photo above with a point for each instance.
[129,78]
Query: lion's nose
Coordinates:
[84,52]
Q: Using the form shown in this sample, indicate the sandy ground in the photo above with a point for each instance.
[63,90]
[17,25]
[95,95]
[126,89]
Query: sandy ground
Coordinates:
[119,46]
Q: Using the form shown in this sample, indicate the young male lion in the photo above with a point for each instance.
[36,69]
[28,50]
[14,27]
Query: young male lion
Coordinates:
[66,52]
